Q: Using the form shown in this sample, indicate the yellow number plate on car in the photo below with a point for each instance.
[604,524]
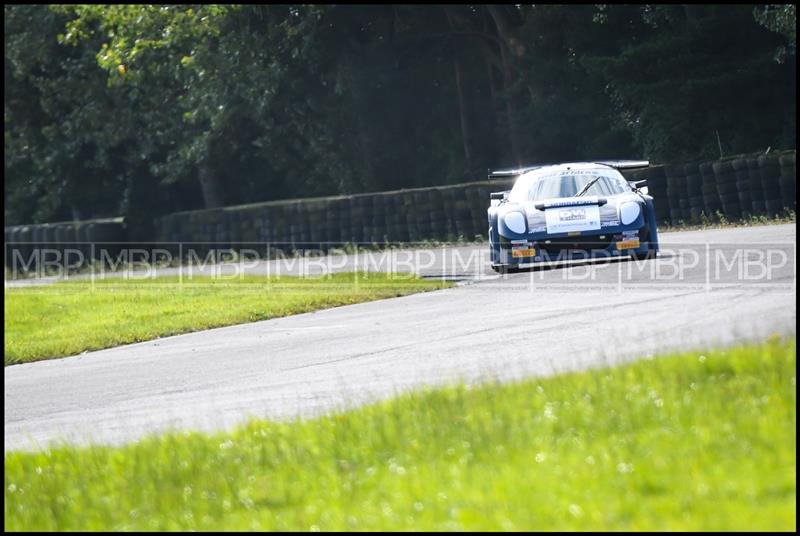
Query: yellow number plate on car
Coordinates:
[628,244]
[523,252]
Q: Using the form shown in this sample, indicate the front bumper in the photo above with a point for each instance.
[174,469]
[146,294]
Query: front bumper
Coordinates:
[595,245]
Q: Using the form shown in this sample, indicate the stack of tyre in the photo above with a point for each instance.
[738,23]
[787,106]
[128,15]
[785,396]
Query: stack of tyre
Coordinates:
[743,186]
[438,215]
[478,209]
[694,191]
[448,210]
[279,227]
[106,235]
[726,186]
[771,181]
[392,216]
[676,193]
[756,190]
[18,247]
[711,200]
[26,246]
[472,225]
[657,188]
[788,180]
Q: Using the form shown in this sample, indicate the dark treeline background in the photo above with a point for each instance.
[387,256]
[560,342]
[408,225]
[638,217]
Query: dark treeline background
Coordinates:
[144,110]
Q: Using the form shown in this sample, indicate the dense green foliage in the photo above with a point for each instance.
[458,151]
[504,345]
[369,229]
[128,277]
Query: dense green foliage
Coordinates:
[700,441]
[71,317]
[140,110]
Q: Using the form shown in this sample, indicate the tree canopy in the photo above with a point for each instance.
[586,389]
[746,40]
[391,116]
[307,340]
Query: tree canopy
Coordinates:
[142,110]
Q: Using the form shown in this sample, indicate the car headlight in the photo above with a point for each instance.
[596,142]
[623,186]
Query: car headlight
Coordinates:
[515,221]
[628,212]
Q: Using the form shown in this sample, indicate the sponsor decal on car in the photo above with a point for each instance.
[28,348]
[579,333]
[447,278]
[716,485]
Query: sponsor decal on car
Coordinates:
[578,172]
[572,202]
[630,235]
[572,218]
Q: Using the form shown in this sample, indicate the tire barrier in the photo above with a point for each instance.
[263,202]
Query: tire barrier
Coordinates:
[756,190]
[770,169]
[82,240]
[742,174]
[33,247]
[110,236]
[788,181]
[676,193]
[726,186]
[711,202]
[694,191]
[657,187]
[743,185]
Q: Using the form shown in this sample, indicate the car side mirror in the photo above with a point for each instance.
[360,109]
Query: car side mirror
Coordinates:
[639,184]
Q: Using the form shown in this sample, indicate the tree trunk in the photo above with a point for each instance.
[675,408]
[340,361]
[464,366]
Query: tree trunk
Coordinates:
[462,109]
[358,101]
[462,113]
[511,112]
[212,190]
[501,20]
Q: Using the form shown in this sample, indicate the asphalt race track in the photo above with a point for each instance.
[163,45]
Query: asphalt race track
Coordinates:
[711,287]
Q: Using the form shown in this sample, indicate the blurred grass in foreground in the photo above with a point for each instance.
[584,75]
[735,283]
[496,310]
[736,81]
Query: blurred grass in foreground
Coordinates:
[70,317]
[699,441]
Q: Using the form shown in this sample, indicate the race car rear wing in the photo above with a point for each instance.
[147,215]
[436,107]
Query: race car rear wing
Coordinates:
[616,164]
[510,173]
[625,164]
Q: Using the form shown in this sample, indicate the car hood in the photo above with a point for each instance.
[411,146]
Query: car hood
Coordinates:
[534,211]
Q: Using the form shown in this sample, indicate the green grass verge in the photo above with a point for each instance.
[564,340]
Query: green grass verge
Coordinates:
[719,221]
[70,317]
[687,442]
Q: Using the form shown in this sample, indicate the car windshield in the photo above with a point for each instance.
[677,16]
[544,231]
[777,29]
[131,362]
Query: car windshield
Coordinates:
[568,183]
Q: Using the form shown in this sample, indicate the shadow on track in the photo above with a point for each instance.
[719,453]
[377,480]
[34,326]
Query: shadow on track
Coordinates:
[574,263]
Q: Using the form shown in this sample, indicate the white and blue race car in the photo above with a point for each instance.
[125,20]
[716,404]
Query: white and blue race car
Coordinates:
[570,211]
